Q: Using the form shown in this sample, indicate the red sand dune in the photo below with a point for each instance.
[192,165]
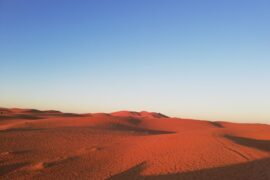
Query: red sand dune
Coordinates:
[129,145]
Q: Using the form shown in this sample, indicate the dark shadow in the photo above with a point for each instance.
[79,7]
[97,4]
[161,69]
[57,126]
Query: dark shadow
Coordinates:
[4,117]
[263,145]
[26,116]
[216,124]
[33,111]
[130,173]
[52,112]
[10,168]
[20,116]
[255,170]
[38,115]
[134,129]
[134,121]
[22,130]
[159,115]
[60,161]
[67,115]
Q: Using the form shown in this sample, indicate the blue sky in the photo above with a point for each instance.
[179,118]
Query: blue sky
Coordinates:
[196,59]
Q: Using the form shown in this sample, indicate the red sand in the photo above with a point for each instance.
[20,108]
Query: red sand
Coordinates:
[129,145]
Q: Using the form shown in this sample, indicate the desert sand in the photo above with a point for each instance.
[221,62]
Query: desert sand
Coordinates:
[129,145]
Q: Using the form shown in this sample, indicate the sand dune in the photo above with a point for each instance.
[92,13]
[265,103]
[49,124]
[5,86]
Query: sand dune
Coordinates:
[50,144]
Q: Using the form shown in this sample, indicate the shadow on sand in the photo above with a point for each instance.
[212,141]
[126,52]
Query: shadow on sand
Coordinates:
[216,124]
[251,170]
[254,170]
[10,168]
[263,145]
[20,116]
[135,129]
[36,116]
[22,130]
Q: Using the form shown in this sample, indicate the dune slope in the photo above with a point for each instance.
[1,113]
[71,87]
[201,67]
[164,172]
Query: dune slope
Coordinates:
[129,145]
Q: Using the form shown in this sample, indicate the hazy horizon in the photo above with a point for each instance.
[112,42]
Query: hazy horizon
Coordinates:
[192,59]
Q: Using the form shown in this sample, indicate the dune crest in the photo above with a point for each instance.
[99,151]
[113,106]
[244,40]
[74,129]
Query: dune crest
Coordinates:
[139,114]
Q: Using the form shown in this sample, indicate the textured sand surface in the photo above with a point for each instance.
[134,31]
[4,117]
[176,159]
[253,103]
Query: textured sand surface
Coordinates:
[129,145]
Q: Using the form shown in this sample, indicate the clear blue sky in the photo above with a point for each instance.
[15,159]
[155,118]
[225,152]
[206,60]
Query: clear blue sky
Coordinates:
[193,58]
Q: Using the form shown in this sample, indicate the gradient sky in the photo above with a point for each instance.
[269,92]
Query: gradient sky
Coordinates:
[186,58]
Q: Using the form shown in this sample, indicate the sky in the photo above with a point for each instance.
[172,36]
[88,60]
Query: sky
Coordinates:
[186,58]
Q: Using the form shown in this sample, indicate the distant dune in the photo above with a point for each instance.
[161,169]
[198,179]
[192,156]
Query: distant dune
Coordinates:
[50,144]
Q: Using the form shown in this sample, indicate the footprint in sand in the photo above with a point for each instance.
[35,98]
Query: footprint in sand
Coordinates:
[11,168]
[43,165]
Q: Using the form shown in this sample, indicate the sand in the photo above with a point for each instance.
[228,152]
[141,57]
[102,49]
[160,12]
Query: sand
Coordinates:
[129,145]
